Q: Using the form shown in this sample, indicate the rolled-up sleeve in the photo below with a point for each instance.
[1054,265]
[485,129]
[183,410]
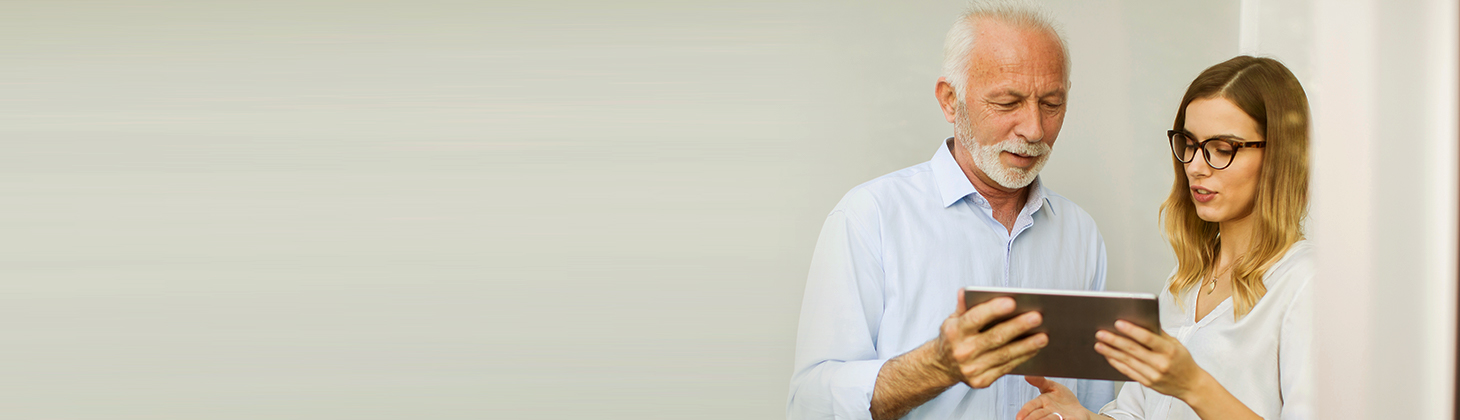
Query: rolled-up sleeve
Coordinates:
[836,363]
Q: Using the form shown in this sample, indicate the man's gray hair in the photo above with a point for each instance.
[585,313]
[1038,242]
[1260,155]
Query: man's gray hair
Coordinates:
[959,43]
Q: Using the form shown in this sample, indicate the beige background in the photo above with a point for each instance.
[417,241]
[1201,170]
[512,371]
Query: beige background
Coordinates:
[464,210]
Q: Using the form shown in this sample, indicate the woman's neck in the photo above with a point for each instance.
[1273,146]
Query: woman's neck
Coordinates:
[1236,239]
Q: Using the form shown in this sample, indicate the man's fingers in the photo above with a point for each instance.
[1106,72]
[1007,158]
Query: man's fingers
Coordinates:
[980,315]
[987,377]
[1007,331]
[1005,359]
[961,308]
[1022,349]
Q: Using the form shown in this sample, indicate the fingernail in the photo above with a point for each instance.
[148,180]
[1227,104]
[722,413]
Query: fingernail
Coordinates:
[1041,340]
[1005,304]
[1101,335]
[1120,323]
[1032,319]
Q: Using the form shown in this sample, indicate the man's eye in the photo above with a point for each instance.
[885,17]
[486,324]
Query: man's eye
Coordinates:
[1053,105]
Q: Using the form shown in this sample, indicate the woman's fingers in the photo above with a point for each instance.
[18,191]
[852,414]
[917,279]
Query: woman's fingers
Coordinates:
[1141,335]
[1029,409]
[1131,362]
[1124,344]
[1128,372]
[1038,414]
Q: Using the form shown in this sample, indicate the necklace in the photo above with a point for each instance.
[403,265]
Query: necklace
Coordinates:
[1213,287]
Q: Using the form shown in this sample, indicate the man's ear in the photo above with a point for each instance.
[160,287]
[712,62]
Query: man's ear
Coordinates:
[947,99]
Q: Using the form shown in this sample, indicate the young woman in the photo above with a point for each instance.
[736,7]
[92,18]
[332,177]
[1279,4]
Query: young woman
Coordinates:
[1236,314]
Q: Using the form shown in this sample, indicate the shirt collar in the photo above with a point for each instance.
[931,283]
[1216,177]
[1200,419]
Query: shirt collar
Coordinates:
[953,184]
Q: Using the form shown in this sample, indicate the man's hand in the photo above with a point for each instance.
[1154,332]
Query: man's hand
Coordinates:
[960,353]
[979,358]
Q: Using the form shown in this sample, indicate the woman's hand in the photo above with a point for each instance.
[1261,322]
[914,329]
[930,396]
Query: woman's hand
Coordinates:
[1157,361]
[1055,402]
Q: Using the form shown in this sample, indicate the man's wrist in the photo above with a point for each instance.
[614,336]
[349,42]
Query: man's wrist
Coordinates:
[939,359]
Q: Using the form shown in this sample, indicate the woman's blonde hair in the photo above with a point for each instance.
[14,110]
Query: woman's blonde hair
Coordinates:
[1266,91]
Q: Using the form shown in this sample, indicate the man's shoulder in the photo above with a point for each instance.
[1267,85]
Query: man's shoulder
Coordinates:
[895,188]
[1066,209]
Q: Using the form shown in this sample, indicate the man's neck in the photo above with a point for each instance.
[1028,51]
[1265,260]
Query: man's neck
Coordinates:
[1005,202]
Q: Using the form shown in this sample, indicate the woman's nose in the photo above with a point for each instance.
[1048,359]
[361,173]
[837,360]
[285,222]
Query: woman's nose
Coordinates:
[1198,166]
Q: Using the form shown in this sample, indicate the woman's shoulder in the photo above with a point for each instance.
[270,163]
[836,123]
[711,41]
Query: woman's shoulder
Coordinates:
[1294,270]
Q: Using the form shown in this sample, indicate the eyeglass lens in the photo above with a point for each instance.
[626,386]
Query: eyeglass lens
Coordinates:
[1217,152]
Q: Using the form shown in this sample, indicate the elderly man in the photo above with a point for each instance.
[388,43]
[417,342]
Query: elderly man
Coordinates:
[876,338]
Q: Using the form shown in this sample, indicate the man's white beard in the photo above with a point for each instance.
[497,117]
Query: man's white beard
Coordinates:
[986,158]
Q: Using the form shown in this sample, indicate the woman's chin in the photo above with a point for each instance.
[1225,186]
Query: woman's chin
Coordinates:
[1210,215]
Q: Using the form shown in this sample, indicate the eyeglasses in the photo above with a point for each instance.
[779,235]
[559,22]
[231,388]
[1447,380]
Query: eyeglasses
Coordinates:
[1218,151]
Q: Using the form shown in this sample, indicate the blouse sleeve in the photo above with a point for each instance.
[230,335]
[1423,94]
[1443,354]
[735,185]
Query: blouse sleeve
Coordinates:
[1295,356]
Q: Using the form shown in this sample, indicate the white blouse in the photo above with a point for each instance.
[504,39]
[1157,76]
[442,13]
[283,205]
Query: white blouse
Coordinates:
[1264,359]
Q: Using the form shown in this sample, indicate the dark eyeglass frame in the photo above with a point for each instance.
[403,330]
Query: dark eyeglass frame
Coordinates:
[1236,146]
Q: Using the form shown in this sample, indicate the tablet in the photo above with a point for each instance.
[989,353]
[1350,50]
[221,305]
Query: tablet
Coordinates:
[1071,318]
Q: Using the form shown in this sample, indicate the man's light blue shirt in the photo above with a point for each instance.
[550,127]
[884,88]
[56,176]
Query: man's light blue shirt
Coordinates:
[885,274]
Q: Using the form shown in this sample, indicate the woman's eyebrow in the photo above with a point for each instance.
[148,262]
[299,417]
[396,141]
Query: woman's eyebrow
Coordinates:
[1227,136]
[1188,133]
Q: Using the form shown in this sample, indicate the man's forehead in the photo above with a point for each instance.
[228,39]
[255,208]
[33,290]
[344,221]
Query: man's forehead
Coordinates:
[1004,51]
[1019,81]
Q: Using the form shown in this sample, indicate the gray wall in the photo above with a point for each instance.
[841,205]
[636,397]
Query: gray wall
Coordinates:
[330,210]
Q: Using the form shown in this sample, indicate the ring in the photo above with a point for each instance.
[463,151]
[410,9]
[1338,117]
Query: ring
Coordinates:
[1060,416]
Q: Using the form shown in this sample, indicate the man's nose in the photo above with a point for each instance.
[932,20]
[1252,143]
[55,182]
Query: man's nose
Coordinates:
[1030,126]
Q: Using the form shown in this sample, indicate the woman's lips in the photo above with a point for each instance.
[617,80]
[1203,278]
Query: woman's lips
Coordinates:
[1201,194]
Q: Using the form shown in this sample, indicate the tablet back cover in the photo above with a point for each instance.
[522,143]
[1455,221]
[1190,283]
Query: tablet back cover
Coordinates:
[1071,319]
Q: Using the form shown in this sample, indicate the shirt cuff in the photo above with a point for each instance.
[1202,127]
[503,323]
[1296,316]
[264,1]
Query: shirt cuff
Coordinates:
[851,389]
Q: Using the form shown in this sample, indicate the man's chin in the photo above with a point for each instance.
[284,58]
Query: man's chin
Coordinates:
[1016,179]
